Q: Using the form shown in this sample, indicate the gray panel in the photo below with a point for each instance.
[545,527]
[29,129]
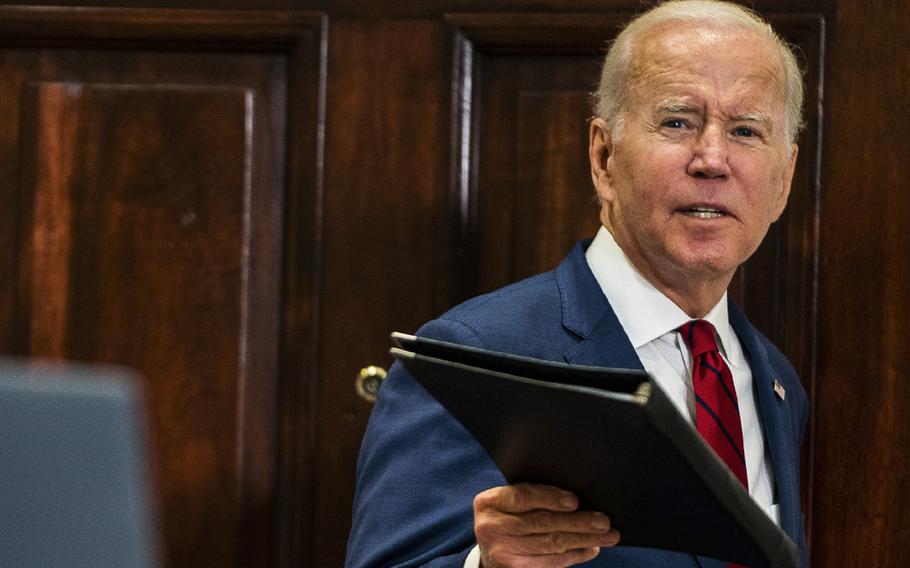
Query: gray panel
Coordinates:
[74,479]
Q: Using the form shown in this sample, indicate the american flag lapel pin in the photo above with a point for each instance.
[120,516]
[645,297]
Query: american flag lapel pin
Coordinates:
[779,390]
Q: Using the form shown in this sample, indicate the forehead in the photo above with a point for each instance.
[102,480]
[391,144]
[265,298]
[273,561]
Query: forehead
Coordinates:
[679,59]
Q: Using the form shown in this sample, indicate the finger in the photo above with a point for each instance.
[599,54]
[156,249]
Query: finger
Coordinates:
[569,558]
[523,497]
[561,542]
[562,560]
[540,521]
[544,532]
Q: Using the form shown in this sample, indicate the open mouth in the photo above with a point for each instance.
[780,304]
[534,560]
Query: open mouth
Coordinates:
[704,212]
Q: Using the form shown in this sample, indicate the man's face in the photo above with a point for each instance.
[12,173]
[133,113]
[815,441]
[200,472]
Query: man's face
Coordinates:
[702,165]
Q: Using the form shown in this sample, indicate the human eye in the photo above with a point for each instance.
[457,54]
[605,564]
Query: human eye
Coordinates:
[674,123]
[745,132]
[750,128]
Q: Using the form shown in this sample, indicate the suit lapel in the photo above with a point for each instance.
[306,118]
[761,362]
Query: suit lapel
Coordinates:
[587,314]
[775,415]
[607,345]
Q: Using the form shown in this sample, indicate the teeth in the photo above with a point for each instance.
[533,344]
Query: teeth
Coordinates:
[704,213]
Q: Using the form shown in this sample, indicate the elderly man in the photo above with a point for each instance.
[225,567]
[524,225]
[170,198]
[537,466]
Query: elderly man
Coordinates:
[692,153]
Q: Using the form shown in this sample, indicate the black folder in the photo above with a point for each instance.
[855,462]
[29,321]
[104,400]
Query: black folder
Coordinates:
[609,435]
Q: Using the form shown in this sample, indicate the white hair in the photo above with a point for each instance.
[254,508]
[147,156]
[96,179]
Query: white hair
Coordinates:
[610,97]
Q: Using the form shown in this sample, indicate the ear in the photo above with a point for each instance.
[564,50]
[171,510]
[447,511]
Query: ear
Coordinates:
[786,181]
[600,152]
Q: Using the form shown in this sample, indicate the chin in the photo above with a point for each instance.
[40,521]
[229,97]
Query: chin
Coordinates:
[708,266]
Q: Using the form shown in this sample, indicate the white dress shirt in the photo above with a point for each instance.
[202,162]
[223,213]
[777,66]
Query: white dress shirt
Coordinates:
[650,320]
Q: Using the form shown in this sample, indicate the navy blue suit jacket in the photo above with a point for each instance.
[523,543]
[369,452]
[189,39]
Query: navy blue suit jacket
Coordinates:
[419,469]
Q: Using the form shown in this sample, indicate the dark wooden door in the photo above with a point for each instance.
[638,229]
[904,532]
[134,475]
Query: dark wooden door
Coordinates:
[242,199]
[469,149]
[159,171]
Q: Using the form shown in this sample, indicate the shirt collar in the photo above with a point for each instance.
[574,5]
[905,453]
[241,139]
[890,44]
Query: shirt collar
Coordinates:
[644,312]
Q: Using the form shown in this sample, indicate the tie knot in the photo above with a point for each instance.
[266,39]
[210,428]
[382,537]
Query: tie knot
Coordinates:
[699,336]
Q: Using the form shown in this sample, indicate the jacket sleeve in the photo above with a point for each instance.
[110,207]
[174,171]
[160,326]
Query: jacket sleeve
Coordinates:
[417,475]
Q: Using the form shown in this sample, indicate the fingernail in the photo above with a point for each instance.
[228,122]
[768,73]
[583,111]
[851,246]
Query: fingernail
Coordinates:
[601,523]
[568,501]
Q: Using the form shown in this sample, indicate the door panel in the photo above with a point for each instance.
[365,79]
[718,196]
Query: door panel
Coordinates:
[534,195]
[149,183]
[862,446]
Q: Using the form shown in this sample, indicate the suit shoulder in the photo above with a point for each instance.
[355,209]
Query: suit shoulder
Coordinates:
[522,318]
[538,289]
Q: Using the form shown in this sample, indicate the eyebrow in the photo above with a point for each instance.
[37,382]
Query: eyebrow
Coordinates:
[672,107]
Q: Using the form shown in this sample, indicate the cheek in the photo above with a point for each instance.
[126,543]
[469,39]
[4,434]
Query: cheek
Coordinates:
[654,193]
[773,196]
[646,192]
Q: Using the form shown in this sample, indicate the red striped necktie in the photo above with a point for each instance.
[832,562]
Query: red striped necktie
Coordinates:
[716,406]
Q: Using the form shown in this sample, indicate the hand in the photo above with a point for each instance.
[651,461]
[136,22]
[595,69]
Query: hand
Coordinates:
[537,525]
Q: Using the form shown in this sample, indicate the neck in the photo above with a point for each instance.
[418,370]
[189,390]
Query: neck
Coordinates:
[696,301]
[695,293]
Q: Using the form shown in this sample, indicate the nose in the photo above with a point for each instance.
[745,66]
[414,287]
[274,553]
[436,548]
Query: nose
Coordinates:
[709,154]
